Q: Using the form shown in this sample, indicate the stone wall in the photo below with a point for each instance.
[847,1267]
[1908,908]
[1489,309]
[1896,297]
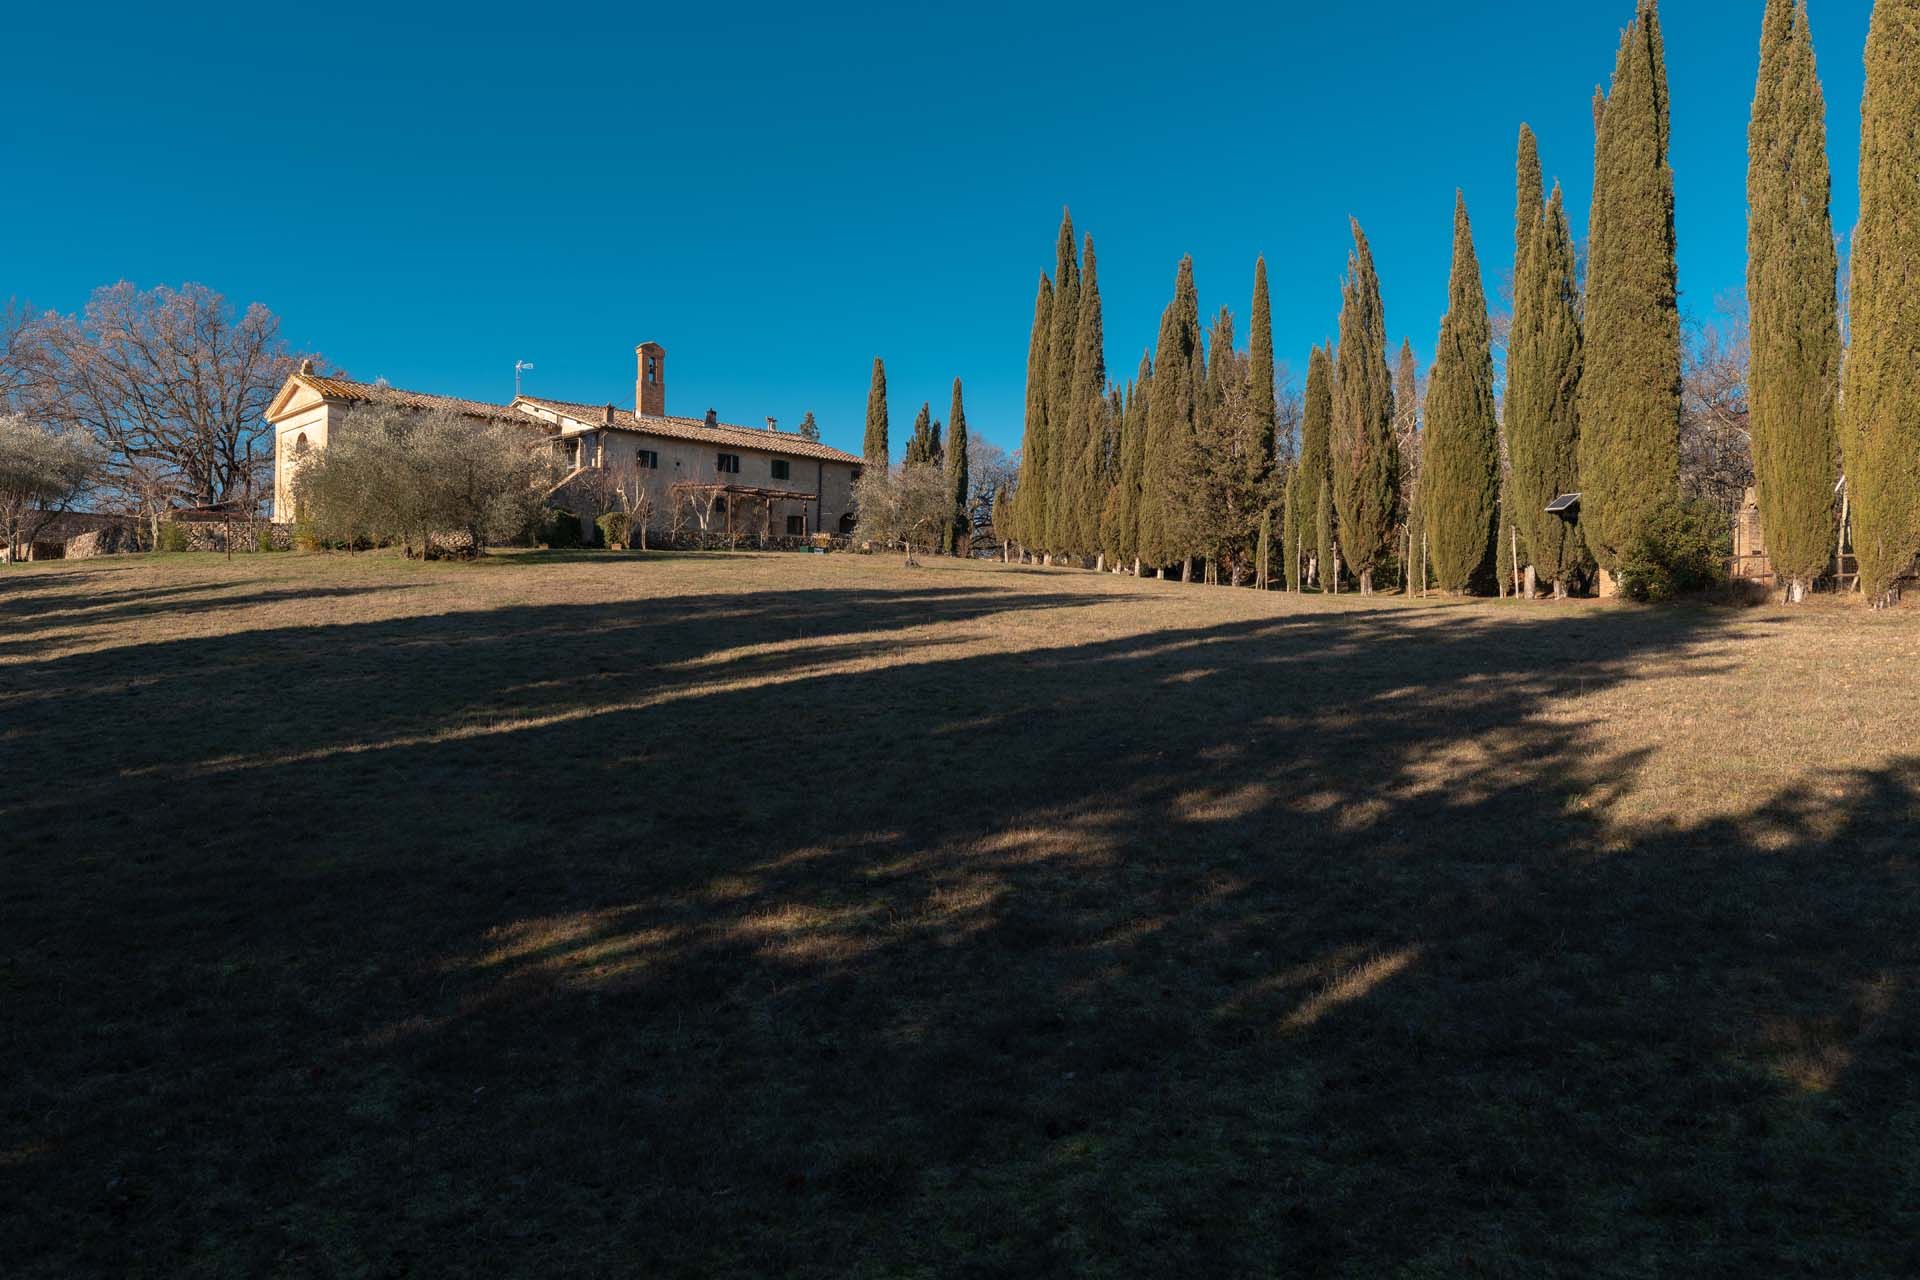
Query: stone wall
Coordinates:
[210,535]
[118,541]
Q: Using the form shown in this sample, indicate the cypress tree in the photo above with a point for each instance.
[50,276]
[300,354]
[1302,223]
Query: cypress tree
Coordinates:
[1124,539]
[1880,415]
[957,474]
[1365,462]
[1543,393]
[1170,419]
[1062,453]
[1316,475]
[1794,332]
[1630,383]
[1029,503]
[1462,471]
[1083,493]
[1406,414]
[920,445]
[876,449]
[1266,408]
[809,429]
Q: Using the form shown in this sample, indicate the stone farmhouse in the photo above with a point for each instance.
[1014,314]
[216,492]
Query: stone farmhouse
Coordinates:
[694,472]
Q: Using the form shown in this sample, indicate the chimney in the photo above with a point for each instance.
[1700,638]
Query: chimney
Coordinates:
[713,418]
[770,423]
[650,380]
[607,417]
[306,367]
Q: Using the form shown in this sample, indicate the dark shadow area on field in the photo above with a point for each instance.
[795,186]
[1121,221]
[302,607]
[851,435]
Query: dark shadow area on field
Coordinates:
[1292,945]
[34,626]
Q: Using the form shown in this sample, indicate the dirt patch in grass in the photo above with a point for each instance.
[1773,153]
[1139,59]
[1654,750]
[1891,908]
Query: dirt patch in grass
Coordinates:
[788,915]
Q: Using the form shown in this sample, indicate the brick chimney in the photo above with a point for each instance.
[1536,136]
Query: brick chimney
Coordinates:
[650,380]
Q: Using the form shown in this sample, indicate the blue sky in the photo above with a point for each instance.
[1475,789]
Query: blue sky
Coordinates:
[778,193]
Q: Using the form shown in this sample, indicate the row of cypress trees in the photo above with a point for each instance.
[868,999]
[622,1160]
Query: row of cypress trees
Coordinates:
[1181,464]
[1178,465]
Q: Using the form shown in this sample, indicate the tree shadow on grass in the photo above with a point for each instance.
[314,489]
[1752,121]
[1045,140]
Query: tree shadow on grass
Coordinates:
[771,935]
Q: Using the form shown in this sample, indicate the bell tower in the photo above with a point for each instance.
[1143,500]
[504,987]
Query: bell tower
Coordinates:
[650,380]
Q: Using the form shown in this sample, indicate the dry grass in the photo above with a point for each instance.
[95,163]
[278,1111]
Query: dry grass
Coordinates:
[807,915]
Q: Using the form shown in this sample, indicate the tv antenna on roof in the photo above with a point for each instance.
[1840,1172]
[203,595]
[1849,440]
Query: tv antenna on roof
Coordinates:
[519,367]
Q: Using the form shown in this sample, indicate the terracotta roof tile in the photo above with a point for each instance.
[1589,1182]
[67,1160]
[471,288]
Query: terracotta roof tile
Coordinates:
[377,393]
[758,438]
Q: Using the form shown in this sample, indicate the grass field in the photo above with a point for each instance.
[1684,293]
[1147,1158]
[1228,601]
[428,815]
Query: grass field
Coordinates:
[761,915]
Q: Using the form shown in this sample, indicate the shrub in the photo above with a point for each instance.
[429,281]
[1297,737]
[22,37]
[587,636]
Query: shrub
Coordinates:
[304,538]
[616,527]
[172,538]
[1682,547]
[563,530]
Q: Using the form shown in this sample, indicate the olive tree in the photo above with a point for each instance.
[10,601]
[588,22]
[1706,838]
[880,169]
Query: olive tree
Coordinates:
[43,472]
[396,476]
[905,506]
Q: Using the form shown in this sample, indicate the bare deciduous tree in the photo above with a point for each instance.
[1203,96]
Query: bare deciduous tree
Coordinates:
[1716,454]
[171,383]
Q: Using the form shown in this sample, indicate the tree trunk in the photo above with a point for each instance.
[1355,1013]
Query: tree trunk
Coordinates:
[1366,582]
[1531,584]
[1609,588]
[1796,590]
[1186,570]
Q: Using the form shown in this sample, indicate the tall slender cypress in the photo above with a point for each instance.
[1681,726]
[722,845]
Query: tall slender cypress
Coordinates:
[1061,452]
[1029,505]
[1462,471]
[876,448]
[1170,418]
[1085,438]
[957,478]
[1543,394]
[1316,475]
[1123,540]
[1630,385]
[1880,413]
[1262,395]
[1406,432]
[1792,291]
[1365,460]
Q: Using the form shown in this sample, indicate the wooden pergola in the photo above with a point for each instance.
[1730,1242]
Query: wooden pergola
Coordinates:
[764,496]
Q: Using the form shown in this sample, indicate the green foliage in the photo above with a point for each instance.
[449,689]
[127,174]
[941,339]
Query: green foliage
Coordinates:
[1406,414]
[1792,268]
[1060,390]
[616,528]
[1461,470]
[173,537]
[1365,457]
[403,476]
[1030,496]
[1543,395]
[1630,385]
[921,444]
[1681,546]
[1120,531]
[1170,422]
[1228,475]
[562,530]
[809,429]
[1081,489]
[875,447]
[1316,474]
[1881,406]
[1260,370]
[954,538]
